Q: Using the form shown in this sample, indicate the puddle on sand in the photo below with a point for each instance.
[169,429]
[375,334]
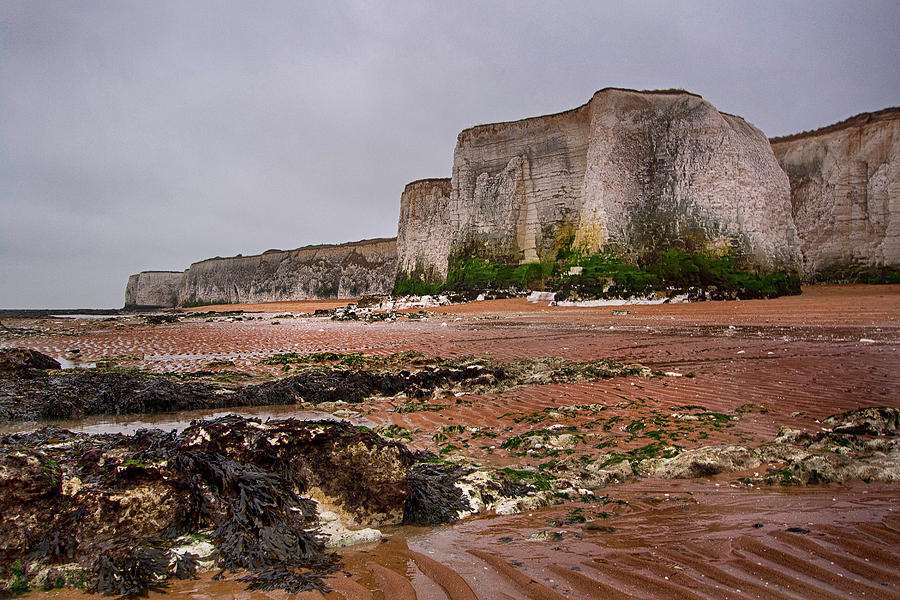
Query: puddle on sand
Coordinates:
[177,421]
[67,363]
[95,317]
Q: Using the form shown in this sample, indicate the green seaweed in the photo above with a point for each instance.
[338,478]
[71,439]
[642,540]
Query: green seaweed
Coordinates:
[608,275]
[538,480]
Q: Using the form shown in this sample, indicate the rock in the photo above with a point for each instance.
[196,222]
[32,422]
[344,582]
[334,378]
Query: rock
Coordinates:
[29,478]
[635,171]
[25,363]
[514,506]
[797,437]
[879,420]
[73,395]
[564,440]
[338,535]
[487,489]
[127,510]
[837,455]
[836,468]
[363,476]
[707,461]
[779,452]
[541,297]
[599,477]
[26,476]
[153,289]
[312,272]
[845,193]
[161,319]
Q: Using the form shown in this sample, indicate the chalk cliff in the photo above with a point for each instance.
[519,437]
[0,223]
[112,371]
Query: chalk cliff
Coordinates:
[309,273]
[424,228]
[635,172]
[312,272]
[153,289]
[845,192]
[631,172]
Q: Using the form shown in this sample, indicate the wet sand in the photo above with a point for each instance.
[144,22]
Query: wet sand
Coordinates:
[651,539]
[764,364]
[300,306]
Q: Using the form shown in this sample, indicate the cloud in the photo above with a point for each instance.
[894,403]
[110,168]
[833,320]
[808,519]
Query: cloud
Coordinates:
[139,135]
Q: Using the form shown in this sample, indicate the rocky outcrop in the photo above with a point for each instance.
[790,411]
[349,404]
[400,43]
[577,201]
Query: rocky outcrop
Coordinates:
[862,445]
[25,363]
[634,172]
[120,514]
[27,394]
[424,228]
[845,193]
[153,289]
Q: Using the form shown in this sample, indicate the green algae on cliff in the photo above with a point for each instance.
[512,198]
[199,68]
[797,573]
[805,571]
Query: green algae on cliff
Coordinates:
[579,275]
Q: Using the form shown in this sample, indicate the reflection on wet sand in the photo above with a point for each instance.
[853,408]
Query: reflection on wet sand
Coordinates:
[128,424]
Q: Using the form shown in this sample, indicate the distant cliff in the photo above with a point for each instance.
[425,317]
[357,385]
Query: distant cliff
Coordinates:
[153,289]
[634,172]
[312,272]
[845,192]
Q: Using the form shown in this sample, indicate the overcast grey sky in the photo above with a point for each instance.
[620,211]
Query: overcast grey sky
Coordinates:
[148,135]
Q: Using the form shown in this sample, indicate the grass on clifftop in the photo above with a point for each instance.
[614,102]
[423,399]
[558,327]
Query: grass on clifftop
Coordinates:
[608,276]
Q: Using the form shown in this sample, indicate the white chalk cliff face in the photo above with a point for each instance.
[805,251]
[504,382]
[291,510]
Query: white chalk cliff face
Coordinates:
[634,172]
[845,191]
[313,272]
[309,273]
[424,229]
[153,289]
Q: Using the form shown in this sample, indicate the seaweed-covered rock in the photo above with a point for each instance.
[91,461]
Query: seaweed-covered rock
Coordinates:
[831,467]
[26,476]
[68,395]
[862,445]
[433,495]
[352,468]
[25,363]
[879,420]
[117,508]
[73,395]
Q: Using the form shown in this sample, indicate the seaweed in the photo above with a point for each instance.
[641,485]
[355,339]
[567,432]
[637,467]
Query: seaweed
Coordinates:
[433,496]
[127,570]
[186,565]
[238,477]
[576,274]
[284,578]
[349,378]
